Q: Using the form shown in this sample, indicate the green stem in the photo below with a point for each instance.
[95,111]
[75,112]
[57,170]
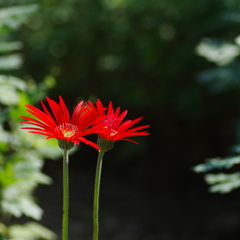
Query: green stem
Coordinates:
[96,195]
[65,196]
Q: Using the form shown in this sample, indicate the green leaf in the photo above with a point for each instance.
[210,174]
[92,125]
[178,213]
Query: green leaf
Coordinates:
[216,163]
[30,231]
[4,135]
[10,46]
[13,81]
[8,95]
[47,148]
[223,183]
[10,62]
[14,17]
[19,205]
[3,230]
[7,175]
[26,172]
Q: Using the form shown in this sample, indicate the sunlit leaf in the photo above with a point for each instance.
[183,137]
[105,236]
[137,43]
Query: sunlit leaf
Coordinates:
[18,205]
[217,52]
[216,163]
[10,46]
[13,81]
[30,231]
[10,62]
[14,17]
[223,183]
[8,95]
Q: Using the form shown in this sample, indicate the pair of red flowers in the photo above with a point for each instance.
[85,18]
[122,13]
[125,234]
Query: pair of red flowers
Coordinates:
[86,119]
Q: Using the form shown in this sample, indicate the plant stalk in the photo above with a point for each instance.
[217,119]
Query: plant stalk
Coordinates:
[96,195]
[65,195]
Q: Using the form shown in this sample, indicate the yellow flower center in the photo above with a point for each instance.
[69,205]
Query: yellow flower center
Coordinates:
[113,132]
[67,129]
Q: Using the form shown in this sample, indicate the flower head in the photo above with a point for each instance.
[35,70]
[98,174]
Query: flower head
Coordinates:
[115,128]
[67,130]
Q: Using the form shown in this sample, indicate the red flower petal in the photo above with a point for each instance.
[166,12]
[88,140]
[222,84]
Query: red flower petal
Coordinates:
[60,125]
[113,127]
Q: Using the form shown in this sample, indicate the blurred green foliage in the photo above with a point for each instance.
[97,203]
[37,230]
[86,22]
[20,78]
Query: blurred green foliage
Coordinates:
[146,56]
[220,182]
[140,54]
[223,77]
[21,154]
[176,62]
[133,52]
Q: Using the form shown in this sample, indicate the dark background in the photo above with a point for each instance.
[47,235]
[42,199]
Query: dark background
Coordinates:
[142,56]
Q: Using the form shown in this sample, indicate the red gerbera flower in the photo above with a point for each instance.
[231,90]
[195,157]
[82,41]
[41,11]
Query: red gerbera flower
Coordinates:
[115,128]
[61,126]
